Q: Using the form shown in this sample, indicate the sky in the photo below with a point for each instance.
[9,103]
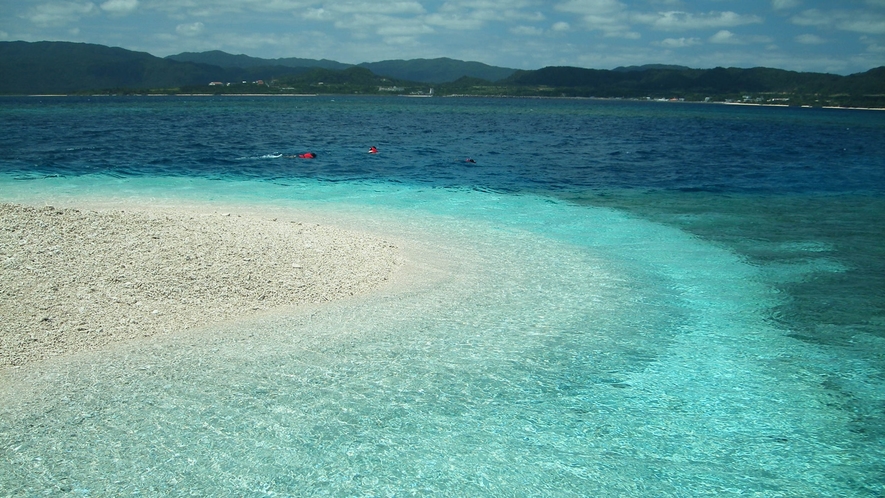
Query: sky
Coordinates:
[832,36]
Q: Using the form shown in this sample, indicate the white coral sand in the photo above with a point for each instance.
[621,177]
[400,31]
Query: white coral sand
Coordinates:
[75,279]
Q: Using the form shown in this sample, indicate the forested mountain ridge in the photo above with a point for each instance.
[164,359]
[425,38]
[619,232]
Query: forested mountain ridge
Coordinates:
[440,70]
[717,80]
[63,67]
[226,60]
[757,85]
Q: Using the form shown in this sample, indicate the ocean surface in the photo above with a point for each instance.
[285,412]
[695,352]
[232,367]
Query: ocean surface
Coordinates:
[642,299]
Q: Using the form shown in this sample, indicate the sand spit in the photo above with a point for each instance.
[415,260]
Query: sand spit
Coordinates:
[77,279]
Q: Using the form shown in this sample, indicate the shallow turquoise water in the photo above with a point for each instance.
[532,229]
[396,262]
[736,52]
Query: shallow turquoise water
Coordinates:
[568,350]
[644,327]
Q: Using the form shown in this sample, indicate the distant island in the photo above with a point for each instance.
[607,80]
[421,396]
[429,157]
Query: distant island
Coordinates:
[86,69]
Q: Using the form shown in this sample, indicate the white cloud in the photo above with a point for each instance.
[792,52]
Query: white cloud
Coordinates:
[681,21]
[374,8]
[456,22]
[808,39]
[561,26]
[591,6]
[365,26]
[461,15]
[399,40]
[192,29]
[526,30]
[56,14]
[811,17]
[179,9]
[4,35]
[495,10]
[608,16]
[404,29]
[727,37]
[724,36]
[784,4]
[627,35]
[868,25]
[615,19]
[872,44]
[320,14]
[119,7]
[678,42]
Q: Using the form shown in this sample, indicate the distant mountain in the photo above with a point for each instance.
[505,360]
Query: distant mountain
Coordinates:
[870,83]
[716,81]
[63,67]
[439,70]
[420,70]
[57,67]
[646,67]
[226,60]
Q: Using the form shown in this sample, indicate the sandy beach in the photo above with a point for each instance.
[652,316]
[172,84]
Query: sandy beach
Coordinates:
[78,279]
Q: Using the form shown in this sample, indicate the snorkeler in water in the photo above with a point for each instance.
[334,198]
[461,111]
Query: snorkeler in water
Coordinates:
[305,155]
[373,150]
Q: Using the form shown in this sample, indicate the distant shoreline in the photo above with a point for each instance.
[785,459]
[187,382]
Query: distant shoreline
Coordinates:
[306,95]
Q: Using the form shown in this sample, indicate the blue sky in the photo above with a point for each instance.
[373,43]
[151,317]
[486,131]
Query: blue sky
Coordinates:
[842,37]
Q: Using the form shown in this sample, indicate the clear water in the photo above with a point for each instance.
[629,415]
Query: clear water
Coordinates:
[628,299]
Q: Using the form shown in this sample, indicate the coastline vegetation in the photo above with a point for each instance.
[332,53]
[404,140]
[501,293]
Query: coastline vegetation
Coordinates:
[471,87]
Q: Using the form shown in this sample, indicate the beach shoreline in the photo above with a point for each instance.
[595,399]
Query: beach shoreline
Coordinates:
[76,279]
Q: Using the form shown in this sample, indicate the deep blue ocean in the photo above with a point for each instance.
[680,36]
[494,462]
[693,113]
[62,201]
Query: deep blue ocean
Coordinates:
[645,299]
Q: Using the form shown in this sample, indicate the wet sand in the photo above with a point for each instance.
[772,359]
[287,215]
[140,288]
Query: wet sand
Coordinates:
[80,279]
